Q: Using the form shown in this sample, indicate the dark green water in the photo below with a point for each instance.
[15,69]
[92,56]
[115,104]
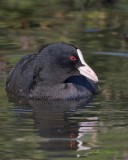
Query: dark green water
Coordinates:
[61,130]
[69,130]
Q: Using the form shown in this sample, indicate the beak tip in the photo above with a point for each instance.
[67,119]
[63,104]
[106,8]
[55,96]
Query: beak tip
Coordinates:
[97,80]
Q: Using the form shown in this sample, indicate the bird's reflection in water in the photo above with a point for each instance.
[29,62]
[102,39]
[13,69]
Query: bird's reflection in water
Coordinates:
[62,125]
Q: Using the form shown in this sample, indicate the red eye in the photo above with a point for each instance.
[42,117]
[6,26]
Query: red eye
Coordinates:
[73,58]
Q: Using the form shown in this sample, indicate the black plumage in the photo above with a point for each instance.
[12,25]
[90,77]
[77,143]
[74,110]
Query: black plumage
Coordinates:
[52,73]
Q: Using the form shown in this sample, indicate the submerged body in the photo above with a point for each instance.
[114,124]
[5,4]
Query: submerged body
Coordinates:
[57,71]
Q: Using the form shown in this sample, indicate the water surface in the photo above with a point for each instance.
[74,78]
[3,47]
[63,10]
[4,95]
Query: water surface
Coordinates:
[68,130]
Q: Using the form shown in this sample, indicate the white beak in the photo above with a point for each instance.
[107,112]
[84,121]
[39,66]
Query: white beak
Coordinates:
[86,70]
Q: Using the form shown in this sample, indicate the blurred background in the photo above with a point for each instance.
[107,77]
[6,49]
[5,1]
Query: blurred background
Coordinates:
[99,25]
[98,131]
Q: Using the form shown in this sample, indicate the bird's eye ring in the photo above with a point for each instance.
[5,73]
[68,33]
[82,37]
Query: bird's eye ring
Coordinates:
[73,58]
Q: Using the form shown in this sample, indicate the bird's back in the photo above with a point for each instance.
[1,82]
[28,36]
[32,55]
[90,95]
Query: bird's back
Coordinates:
[21,76]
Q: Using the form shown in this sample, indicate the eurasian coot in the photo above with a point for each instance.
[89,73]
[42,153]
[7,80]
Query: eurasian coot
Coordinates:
[57,71]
